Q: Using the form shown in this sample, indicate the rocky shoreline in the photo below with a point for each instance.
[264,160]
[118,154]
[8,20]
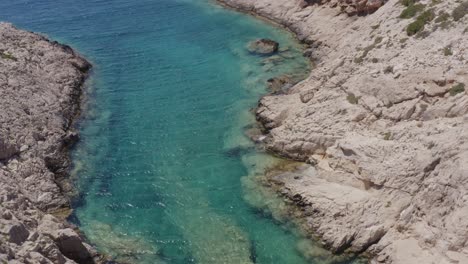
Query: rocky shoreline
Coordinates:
[40,95]
[381,124]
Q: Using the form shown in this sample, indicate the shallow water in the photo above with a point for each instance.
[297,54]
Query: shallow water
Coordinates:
[164,171]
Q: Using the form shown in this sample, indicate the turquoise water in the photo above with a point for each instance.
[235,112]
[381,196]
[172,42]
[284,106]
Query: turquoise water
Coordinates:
[164,171]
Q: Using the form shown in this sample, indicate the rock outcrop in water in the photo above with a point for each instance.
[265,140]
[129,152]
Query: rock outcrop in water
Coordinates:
[383,122]
[263,46]
[40,95]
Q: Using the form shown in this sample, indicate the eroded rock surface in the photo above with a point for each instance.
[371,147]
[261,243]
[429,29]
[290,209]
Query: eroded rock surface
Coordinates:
[40,89]
[383,121]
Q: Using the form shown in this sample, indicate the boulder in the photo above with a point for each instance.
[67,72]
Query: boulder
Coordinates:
[7,150]
[263,46]
[18,233]
[71,245]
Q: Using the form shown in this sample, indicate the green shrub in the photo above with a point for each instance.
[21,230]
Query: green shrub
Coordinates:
[352,99]
[448,51]
[427,16]
[443,17]
[460,11]
[456,89]
[411,10]
[407,2]
[415,27]
[387,136]
[8,56]
[420,22]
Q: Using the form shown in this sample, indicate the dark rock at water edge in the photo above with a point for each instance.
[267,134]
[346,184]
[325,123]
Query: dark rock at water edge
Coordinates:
[263,46]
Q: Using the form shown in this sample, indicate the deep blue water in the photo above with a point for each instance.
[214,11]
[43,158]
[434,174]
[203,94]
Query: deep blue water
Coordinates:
[164,171]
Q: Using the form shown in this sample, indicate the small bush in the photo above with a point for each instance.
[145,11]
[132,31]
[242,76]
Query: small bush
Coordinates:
[407,2]
[415,27]
[420,22]
[352,99]
[388,69]
[448,51]
[8,56]
[358,60]
[427,16]
[456,89]
[387,136]
[378,40]
[443,17]
[460,11]
[411,10]
[375,60]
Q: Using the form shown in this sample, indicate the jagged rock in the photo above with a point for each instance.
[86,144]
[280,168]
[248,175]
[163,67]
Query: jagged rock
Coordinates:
[71,245]
[263,46]
[39,96]
[7,150]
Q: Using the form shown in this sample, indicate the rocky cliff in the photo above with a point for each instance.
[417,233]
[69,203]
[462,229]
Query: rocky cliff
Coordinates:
[382,122]
[40,91]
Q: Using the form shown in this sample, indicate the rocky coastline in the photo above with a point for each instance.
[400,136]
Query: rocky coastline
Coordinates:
[381,125]
[41,88]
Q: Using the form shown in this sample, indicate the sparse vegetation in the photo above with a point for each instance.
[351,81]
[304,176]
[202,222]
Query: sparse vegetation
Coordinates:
[8,56]
[460,11]
[378,40]
[388,69]
[358,60]
[448,51]
[411,10]
[418,25]
[366,50]
[442,17]
[456,89]
[407,2]
[352,99]
[375,60]
[443,20]
[387,136]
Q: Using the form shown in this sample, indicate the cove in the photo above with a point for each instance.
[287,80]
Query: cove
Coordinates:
[164,171]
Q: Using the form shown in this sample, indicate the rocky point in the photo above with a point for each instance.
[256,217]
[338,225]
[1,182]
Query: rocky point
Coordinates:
[41,85]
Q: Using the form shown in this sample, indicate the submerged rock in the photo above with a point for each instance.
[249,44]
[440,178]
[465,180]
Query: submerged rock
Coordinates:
[280,83]
[263,46]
